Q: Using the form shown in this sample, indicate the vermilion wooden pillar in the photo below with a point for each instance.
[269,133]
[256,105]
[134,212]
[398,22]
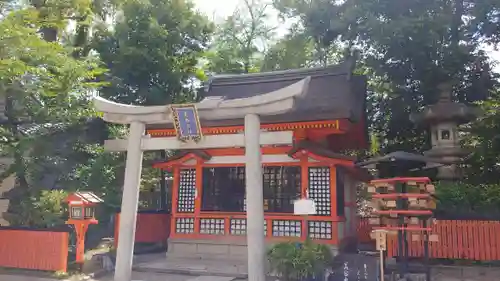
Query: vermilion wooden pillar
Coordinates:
[81,227]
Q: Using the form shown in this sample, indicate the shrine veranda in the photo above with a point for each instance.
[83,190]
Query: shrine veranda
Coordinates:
[208,192]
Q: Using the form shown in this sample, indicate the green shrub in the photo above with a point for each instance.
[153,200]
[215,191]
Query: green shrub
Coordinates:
[299,261]
[462,197]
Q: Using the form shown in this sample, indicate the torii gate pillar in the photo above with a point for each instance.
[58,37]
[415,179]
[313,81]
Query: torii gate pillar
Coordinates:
[273,103]
[255,198]
[130,202]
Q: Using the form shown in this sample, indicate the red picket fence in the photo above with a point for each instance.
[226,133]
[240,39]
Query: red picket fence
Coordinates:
[36,249]
[457,239]
[151,227]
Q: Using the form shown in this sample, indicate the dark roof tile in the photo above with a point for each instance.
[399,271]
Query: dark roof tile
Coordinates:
[333,93]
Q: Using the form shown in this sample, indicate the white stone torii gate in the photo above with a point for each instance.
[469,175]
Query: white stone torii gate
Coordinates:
[214,108]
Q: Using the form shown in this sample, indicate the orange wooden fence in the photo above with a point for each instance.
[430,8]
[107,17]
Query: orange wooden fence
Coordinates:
[38,249]
[458,239]
[151,227]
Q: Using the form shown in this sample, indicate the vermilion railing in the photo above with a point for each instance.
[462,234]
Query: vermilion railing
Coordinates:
[151,227]
[36,249]
[214,225]
[457,239]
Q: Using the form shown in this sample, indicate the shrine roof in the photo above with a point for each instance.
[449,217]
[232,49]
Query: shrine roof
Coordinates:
[399,156]
[334,92]
[319,150]
[85,197]
[181,153]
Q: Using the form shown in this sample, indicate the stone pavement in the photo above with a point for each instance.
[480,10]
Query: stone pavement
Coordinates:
[22,278]
[465,273]
[149,276]
[136,276]
[213,267]
[156,267]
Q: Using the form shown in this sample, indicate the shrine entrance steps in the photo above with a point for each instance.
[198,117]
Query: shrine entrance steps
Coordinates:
[223,249]
[225,257]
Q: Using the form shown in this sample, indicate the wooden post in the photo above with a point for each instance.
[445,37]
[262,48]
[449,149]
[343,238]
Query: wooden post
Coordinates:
[382,274]
[380,236]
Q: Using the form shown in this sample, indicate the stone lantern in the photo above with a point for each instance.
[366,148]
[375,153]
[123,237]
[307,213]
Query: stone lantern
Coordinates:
[443,119]
[81,207]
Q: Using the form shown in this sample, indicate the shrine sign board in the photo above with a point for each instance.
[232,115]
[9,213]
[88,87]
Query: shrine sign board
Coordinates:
[186,122]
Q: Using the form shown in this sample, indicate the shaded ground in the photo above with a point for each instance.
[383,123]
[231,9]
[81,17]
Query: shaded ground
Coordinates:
[356,267]
[136,276]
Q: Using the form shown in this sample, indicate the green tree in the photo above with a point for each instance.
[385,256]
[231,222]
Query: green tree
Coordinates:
[483,139]
[45,90]
[61,148]
[152,52]
[294,50]
[241,39]
[407,48]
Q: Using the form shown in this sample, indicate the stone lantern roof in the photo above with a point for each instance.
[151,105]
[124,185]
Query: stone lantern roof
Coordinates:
[445,110]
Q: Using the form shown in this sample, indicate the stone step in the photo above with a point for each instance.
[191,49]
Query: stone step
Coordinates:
[196,267]
[229,250]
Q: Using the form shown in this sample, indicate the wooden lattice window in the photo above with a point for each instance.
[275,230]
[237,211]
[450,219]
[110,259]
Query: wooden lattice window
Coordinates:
[320,229]
[239,227]
[223,189]
[281,188]
[187,191]
[212,226]
[286,228]
[184,225]
[319,189]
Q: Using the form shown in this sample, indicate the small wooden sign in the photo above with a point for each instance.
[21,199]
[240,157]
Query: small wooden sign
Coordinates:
[413,203]
[380,236]
[430,188]
[304,207]
[414,221]
[423,203]
[391,204]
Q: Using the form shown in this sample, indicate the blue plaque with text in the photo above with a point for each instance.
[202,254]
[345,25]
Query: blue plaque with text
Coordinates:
[186,122]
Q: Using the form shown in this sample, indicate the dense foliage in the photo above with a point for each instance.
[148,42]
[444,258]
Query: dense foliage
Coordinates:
[55,55]
[142,52]
[474,200]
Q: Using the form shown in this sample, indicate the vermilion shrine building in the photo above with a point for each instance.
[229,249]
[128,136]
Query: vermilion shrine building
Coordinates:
[208,194]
